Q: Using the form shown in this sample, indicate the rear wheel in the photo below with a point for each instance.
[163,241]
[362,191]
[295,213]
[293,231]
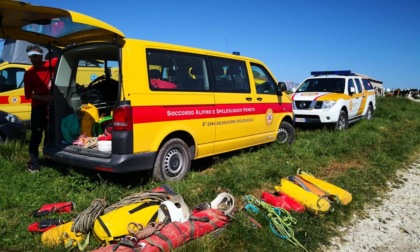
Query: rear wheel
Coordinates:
[172,162]
[369,113]
[342,122]
[286,133]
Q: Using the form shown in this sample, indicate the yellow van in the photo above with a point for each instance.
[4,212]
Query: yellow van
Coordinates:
[171,104]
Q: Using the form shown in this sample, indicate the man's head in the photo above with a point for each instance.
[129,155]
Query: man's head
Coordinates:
[35,54]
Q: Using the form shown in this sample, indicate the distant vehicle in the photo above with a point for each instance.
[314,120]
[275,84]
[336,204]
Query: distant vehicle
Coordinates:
[333,98]
[11,127]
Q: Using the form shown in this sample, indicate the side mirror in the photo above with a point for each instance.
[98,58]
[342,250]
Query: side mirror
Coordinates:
[281,87]
[352,90]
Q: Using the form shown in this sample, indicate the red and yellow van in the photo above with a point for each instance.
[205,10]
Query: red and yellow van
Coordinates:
[170,105]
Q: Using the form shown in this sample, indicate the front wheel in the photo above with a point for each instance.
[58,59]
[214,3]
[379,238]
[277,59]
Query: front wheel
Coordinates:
[286,133]
[369,113]
[342,122]
[172,162]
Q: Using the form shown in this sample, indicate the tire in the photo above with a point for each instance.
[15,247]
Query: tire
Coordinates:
[172,162]
[286,133]
[342,122]
[369,113]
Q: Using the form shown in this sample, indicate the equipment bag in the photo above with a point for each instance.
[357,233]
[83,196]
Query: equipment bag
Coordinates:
[314,203]
[334,192]
[60,207]
[173,234]
[113,225]
[284,201]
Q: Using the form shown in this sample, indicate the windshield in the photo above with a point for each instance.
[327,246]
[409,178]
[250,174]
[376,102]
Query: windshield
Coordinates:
[56,28]
[335,85]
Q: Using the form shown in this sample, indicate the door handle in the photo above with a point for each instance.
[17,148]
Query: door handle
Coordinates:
[249,99]
[259,99]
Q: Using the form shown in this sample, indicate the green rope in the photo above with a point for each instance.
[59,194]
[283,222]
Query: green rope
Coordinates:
[280,220]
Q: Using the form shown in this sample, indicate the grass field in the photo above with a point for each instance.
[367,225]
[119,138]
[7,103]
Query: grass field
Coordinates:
[360,160]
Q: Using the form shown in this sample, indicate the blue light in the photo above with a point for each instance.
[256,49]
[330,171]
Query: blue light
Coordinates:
[336,72]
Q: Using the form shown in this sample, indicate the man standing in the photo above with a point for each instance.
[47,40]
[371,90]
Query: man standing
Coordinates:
[37,81]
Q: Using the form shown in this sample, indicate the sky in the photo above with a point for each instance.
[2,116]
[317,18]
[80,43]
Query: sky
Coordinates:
[378,38]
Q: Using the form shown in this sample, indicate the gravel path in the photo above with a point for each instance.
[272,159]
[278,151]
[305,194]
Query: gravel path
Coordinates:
[393,226]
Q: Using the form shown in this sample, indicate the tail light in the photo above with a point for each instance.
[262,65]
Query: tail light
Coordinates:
[123,119]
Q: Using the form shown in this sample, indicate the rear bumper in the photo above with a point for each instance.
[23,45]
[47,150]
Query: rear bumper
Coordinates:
[112,163]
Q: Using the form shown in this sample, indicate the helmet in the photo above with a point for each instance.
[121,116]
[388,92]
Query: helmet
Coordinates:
[223,202]
[173,210]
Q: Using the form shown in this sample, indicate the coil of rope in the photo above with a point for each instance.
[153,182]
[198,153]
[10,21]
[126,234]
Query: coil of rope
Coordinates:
[280,219]
[85,220]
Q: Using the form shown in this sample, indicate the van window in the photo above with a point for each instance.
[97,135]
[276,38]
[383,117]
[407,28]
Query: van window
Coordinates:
[11,79]
[264,83]
[176,71]
[229,75]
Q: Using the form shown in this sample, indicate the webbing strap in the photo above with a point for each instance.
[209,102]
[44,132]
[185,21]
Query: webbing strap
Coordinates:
[101,222]
[154,244]
[166,239]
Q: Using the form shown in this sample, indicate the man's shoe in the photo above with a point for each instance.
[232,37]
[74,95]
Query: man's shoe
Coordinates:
[32,168]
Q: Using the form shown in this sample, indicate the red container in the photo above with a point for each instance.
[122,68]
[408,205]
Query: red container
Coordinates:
[284,201]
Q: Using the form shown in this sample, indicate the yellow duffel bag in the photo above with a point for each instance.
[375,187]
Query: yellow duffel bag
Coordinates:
[61,234]
[113,225]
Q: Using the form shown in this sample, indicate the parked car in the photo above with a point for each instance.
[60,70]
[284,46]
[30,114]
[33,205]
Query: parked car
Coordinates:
[11,127]
[333,98]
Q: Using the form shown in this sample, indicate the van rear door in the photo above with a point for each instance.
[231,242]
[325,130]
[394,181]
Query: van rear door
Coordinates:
[46,25]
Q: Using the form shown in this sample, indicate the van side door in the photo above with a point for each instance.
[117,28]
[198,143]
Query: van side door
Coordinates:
[268,103]
[235,105]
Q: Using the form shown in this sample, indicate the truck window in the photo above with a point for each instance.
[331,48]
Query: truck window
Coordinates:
[359,86]
[229,75]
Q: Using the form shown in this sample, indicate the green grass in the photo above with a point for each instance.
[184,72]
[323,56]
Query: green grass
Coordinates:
[360,160]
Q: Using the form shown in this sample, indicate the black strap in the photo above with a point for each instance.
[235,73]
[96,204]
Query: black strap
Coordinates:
[101,222]
[144,205]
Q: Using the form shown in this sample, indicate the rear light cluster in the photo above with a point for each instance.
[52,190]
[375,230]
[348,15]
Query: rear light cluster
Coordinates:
[123,118]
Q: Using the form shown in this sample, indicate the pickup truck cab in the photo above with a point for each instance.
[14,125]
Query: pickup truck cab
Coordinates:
[333,98]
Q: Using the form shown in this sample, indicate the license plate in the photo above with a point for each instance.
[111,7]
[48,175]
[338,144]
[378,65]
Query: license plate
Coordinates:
[300,120]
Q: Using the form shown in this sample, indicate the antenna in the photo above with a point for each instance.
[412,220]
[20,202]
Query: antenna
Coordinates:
[227,45]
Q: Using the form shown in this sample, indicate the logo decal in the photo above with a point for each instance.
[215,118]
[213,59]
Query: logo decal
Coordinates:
[269,117]
[14,99]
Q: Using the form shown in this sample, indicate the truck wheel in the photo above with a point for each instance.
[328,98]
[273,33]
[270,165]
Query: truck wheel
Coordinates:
[342,122]
[172,162]
[286,133]
[369,113]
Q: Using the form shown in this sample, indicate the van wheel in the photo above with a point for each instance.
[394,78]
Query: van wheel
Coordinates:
[369,113]
[172,162]
[286,133]
[342,122]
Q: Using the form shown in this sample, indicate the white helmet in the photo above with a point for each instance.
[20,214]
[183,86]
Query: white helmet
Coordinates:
[173,210]
[223,202]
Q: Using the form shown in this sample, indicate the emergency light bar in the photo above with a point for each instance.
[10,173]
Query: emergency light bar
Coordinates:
[336,72]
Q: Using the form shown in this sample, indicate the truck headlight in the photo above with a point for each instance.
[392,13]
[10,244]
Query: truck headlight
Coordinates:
[328,104]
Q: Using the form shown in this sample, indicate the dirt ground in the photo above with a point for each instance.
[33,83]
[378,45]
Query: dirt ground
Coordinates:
[393,226]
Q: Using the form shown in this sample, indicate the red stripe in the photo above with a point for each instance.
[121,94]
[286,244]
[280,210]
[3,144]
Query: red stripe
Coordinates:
[4,99]
[146,114]
[316,98]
